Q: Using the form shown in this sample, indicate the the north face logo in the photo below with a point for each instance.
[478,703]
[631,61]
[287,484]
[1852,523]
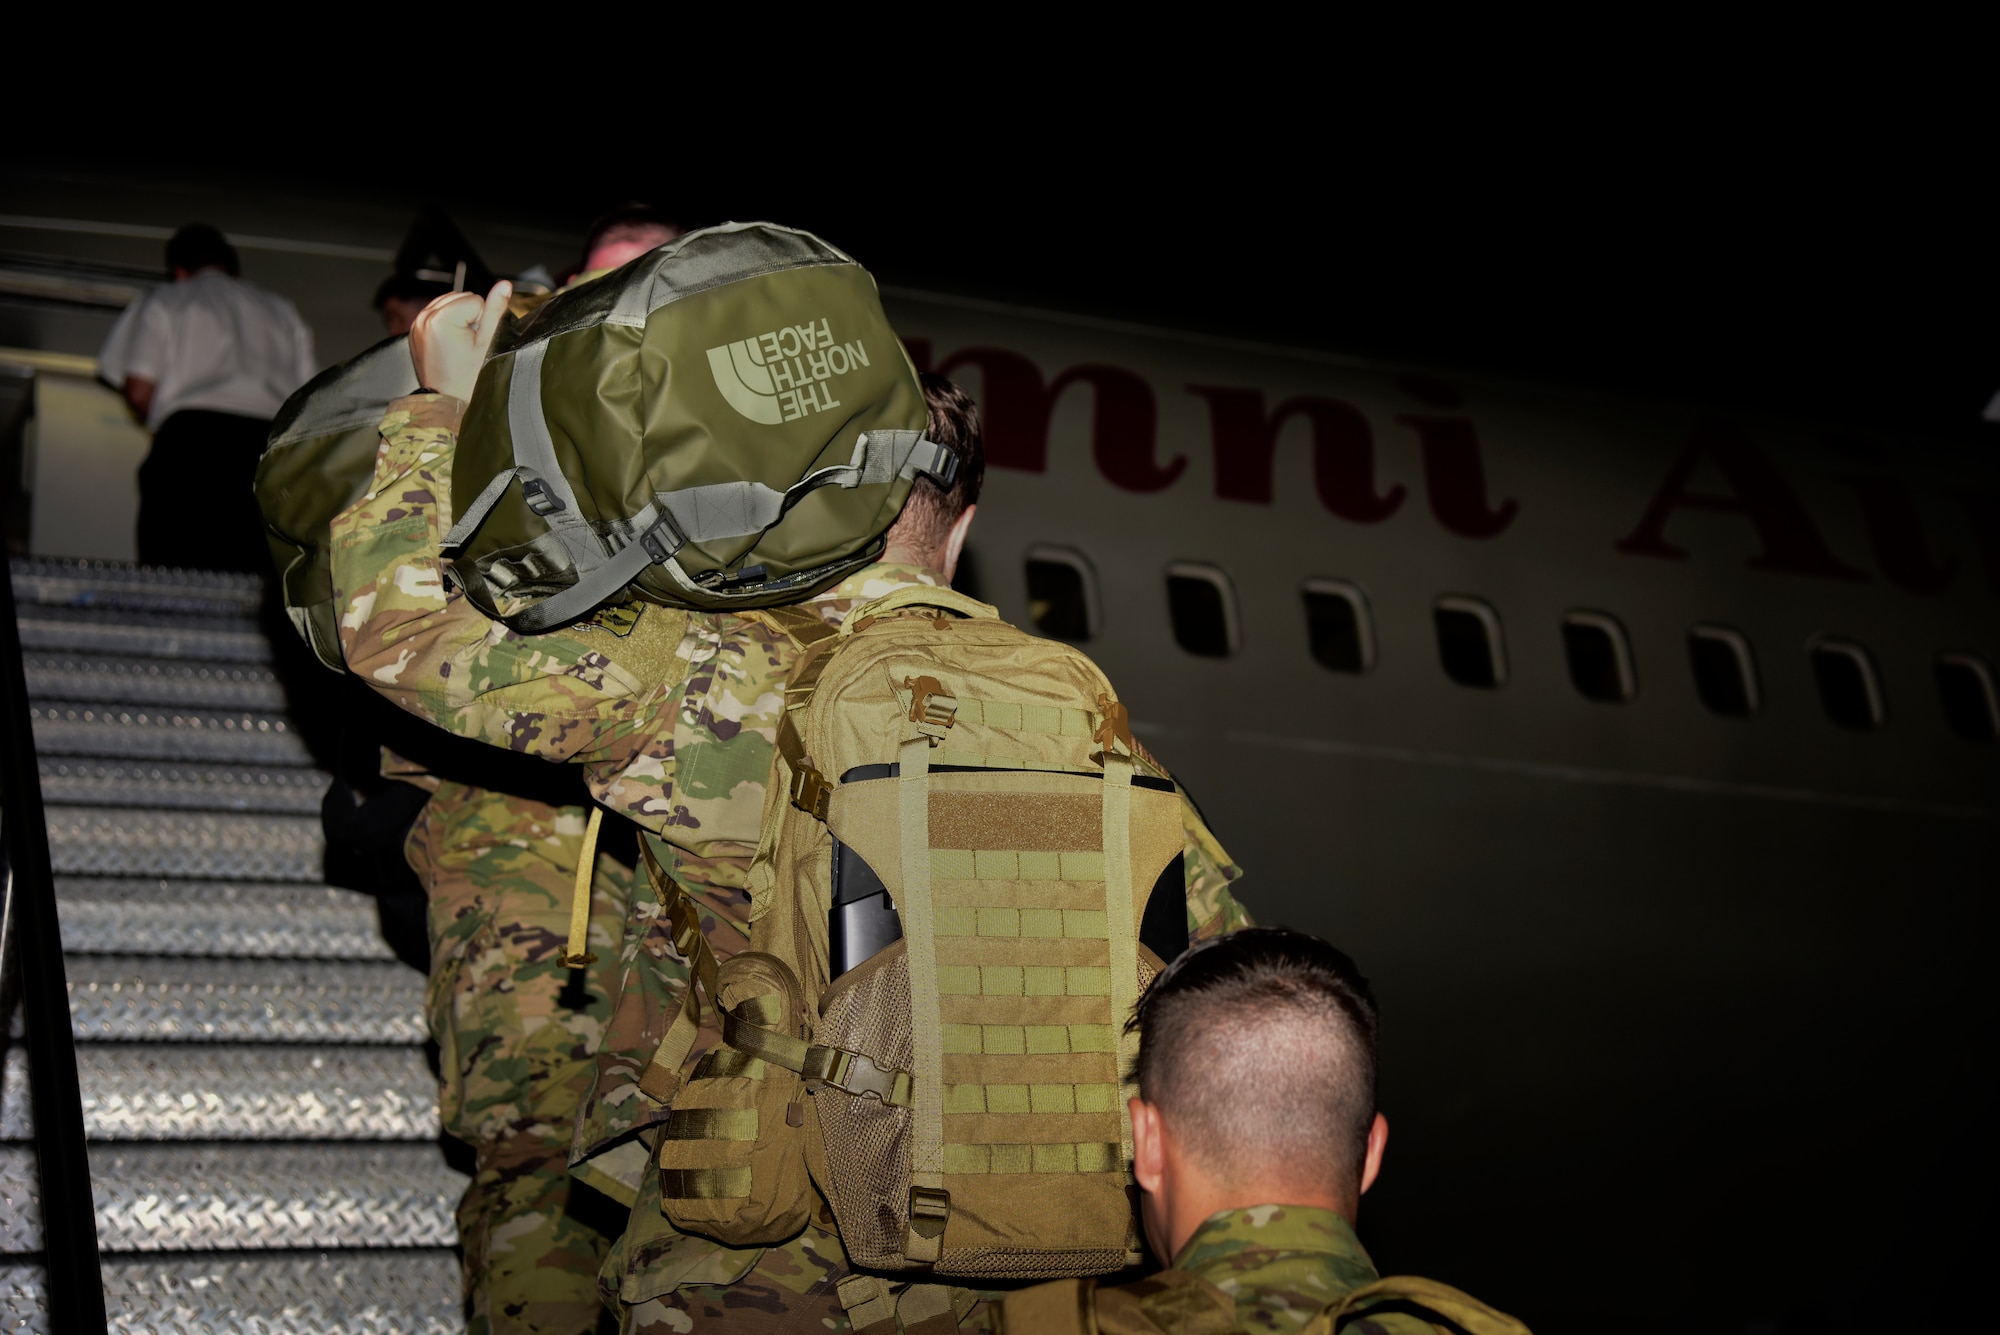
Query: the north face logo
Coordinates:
[785,374]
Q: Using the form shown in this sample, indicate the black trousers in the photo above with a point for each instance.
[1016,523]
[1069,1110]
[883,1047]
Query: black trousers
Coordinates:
[196,507]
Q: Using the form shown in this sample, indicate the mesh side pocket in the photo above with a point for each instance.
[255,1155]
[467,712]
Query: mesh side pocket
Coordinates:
[867,1141]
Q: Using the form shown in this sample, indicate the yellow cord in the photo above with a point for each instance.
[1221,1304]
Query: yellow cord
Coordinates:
[579,903]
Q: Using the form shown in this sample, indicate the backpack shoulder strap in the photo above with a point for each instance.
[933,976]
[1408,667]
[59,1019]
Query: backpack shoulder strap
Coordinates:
[919,595]
[1425,1295]
[797,623]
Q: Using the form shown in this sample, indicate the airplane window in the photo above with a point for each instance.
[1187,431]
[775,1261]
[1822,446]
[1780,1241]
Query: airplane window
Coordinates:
[1338,626]
[1062,594]
[1470,645]
[1965,688]
[1600,657]
[1202,604]
[1725,671]
[1848,689]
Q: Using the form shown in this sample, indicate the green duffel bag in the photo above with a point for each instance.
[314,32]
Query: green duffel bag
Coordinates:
[319,461]
[726,422]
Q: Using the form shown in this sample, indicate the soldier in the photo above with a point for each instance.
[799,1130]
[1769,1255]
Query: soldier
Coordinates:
[674,718]
[1254,1136]
[518,1028]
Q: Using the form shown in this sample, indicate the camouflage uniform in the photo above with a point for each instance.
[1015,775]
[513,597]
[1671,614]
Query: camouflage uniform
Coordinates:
[517,1034]
[1278,1264]
[674,718]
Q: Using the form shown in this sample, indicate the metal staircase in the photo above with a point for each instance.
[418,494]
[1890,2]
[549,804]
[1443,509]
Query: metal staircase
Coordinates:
[262,1124]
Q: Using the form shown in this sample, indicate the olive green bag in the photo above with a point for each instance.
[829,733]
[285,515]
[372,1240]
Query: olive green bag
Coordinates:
[319,461]
[726,422]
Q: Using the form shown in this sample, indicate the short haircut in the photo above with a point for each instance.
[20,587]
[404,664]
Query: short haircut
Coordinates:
[197,246]
[408,287]
[931,510]
[1258,1048]
[631,221]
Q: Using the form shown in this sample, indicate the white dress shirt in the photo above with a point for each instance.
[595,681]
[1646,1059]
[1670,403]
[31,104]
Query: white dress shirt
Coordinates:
[210,341]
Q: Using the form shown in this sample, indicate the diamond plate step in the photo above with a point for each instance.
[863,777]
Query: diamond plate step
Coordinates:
[117,915]
[69,582]
[237,1092]
[64,728]
[20,1202]
[248,1196]
[125,841]
[114,997]
[46,629]
[342,1293]
[152,681]
[87,781]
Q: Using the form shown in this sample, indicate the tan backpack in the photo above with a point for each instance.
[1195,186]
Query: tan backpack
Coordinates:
[967,875]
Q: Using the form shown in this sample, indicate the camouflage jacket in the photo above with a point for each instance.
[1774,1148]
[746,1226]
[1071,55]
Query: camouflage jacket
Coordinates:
[672,715]
[1268,1268]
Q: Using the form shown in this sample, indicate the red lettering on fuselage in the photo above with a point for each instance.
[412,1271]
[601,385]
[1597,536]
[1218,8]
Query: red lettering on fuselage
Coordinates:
[1455,478]
[1758,492]
[1015,405]
[1896,531]
[1246,446]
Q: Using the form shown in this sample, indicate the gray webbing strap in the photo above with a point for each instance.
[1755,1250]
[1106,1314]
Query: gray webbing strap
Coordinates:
[475,513]
[542,480]
[657,542]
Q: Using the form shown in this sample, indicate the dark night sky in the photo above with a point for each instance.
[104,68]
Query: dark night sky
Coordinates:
[1813,268]
[1820,244]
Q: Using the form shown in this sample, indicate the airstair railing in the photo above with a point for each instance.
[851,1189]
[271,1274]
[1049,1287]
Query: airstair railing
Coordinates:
[75,1277]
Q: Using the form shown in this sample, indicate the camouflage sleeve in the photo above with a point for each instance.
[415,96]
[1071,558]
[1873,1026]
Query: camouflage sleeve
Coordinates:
[1212,904]
[591,692]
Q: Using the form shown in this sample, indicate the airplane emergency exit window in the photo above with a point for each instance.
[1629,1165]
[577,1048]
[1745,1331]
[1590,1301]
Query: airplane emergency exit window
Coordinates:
[1965,689]
[1201,602]
[1600,657]
[1470,645]
[1338,625]
[1725,671]
[1849,691]
[1062,594]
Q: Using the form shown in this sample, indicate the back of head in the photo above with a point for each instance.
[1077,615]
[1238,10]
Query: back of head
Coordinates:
[624,234]
[931,510]
[1258,1049]
[199,246]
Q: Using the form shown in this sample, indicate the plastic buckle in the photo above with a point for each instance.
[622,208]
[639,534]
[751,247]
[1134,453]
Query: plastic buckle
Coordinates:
[930,1208]
[932,708]
[657,547]
[859,1075]
[810,791]
[1116,726]
[540,499]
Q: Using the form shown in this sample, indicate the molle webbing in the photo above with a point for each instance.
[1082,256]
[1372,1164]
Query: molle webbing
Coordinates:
[663,1074]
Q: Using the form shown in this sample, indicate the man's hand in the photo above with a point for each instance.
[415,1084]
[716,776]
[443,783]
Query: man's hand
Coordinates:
[449,339]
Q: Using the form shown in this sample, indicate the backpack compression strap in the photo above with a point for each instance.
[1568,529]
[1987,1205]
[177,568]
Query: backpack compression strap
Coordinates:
[1426,1296]
[579,954]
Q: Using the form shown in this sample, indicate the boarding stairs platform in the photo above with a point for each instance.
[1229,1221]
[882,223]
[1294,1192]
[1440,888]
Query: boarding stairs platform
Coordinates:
[261,1122]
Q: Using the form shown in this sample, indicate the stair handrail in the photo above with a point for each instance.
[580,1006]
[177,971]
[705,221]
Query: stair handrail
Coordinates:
[73,1270]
